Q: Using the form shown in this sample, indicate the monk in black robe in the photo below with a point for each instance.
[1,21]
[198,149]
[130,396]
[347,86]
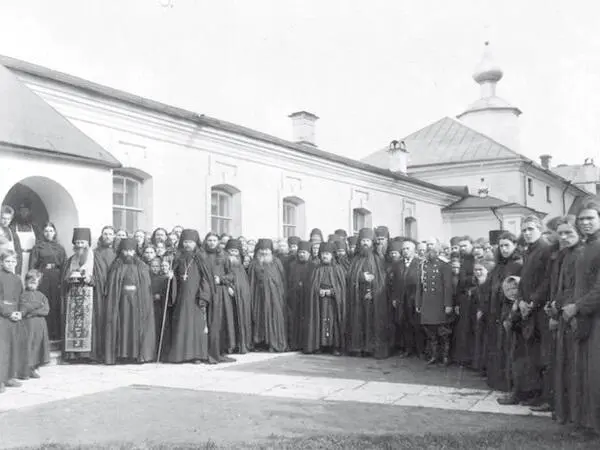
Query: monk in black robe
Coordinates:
[130,325]
[267,284]
[221,335]
[369,313]
[341,254]
[235,279]
[326,305]
[190,325]
[298,291]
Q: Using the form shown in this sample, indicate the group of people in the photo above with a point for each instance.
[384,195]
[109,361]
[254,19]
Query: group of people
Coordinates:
[521,310]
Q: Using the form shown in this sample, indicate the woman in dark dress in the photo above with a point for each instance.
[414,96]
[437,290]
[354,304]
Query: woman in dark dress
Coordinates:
[48,257]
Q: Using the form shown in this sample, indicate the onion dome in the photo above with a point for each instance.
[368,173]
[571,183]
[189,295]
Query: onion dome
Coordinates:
[487,70]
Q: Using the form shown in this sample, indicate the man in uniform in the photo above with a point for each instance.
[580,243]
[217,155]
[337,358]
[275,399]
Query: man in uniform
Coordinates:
[434,303]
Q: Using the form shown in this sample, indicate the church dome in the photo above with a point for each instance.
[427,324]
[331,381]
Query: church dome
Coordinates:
[487,70]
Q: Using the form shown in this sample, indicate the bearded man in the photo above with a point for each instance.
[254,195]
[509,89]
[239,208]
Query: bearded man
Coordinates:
[104,255]
[352,242]
[236,281]
[382,238]
[221,335]
[463,332]
[84,302]
[130,324]
[434,304]
[293,242]
[326,305]
[298,285]
[341,254]
[368,320]
[267,284]
[189,322]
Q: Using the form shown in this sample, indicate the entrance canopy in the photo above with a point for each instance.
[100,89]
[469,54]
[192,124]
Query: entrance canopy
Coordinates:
[28,123]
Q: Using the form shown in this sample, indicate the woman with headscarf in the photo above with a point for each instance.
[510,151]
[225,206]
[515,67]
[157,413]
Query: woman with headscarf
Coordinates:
[48,257]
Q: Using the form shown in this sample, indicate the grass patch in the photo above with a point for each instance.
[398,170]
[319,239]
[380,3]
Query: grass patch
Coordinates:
[497,440]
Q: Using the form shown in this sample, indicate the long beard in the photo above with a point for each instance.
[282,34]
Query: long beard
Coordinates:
[128,259]
[81,254]
[365,251]
[235,261]
[265,259]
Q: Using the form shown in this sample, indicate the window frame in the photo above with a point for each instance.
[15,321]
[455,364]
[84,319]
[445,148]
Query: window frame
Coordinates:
[123,209]
[548,194]
[530,186]
[291,227]
[364,215]
[221,219]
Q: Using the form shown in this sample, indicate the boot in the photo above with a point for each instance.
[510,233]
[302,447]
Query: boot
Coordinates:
[434,352]
[446,350]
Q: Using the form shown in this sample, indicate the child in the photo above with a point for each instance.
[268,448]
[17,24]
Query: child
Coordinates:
[11,328]
[160,273]
[34,308]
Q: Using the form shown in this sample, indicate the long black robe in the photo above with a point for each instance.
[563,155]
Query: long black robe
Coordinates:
[326,316]
[12,334]
[496,308]
[587,334]
[190,326]
[236,277]
[368,321]
[130,326]
[221,334]
[463,334]
[567,373]
[49,258]
[34,307]
[298,291]
[267,284]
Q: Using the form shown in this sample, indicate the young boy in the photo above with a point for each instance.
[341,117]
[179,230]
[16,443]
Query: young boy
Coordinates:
[34,308]
[160,273]
[11,328]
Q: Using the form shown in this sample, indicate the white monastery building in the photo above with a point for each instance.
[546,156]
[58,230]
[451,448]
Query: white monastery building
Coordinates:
[89,155]
[477,153]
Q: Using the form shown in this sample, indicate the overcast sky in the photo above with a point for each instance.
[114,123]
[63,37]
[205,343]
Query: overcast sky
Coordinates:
[372,70]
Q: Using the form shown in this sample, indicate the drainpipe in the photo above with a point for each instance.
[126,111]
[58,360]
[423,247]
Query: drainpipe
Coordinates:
[564,193]
[525,191]
[499,220]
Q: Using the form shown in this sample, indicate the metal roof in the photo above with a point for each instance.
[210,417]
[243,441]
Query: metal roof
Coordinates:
[28,123]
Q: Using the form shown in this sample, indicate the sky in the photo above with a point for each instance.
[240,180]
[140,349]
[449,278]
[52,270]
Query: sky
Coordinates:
[373,71]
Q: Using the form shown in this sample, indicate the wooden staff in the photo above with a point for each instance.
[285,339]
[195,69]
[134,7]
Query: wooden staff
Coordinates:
[164,317]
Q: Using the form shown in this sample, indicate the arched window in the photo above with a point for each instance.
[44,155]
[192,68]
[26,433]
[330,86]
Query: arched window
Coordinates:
[221,211]
[361,218]
[127,202]
[293,219]
[410,227]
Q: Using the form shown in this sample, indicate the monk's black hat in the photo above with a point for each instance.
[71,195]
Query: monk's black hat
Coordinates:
[82,234]
[304,246]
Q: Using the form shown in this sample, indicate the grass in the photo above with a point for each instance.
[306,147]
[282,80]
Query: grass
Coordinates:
[496,440]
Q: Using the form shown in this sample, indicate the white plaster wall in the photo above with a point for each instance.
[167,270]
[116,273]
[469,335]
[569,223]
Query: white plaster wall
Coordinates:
[475,227]
[90,188]
[500,125]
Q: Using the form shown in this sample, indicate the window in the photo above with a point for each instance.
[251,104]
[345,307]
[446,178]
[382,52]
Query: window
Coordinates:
[410,227]
[548,196]
[127,208]
[361,218]
[220,211]
[290,219]
[530,186]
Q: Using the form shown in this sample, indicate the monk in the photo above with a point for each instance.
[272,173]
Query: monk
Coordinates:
[130,326]
[298,291]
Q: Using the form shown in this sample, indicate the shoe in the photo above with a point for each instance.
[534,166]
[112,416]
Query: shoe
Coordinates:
[34,374]
[212,360]
[432,361]
[337,353]
[226,359]
[533,401]
[544,407]
[13,383]
[509,399]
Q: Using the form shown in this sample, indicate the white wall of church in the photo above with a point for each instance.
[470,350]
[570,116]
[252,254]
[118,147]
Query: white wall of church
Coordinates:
[180,162]
[73,194]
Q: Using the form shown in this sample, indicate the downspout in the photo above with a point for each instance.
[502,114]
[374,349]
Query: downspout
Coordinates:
[564,193]
[499,220]
[525,176]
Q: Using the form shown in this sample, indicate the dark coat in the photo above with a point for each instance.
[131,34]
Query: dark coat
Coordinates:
[435,292]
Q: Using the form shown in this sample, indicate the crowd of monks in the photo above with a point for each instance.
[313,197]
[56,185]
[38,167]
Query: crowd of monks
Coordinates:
[521,311]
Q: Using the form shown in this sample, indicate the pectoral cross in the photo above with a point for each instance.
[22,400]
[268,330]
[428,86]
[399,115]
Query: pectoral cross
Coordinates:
[185,277]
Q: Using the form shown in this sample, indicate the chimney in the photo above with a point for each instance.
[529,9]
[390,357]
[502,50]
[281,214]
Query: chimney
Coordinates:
[303,127]
[398,157]
[545,161]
